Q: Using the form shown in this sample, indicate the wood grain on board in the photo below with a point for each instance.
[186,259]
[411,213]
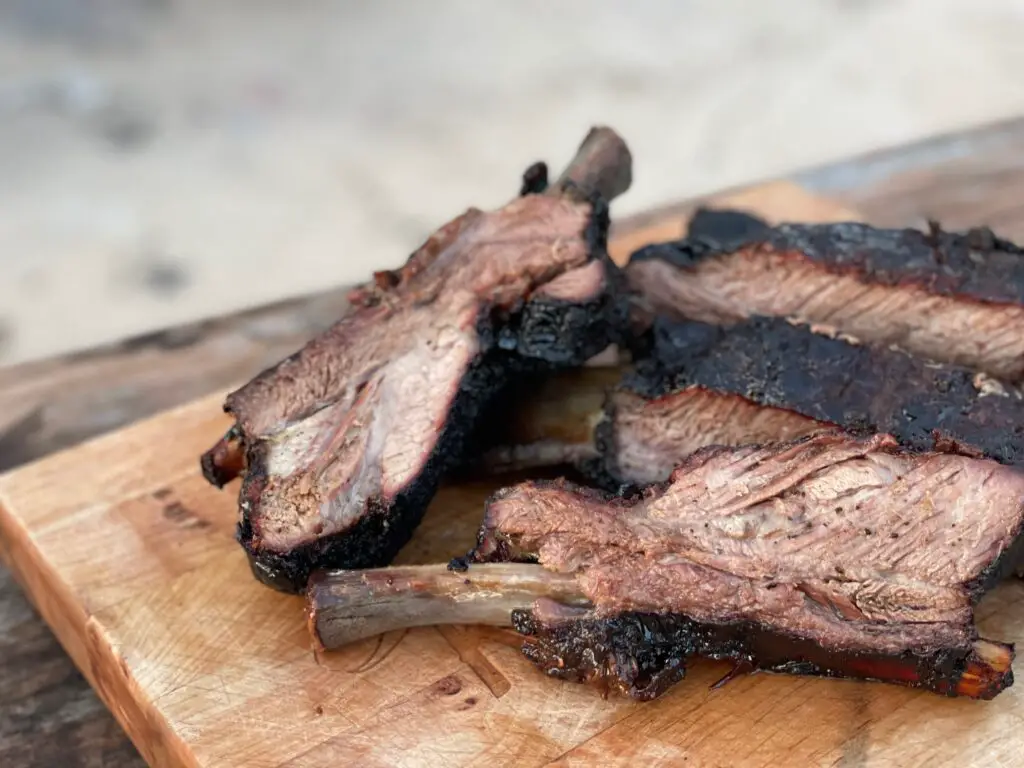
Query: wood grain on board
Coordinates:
[129,556]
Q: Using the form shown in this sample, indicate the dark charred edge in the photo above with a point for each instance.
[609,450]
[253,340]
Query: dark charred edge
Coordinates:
[564,333]
[642,655]
[725,224]
[773,362]
[602,471]
[522,348]
[535,179]
[939,262]
[383,529]
[721,225]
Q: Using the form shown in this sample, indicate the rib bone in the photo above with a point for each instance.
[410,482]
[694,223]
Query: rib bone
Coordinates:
[347,606]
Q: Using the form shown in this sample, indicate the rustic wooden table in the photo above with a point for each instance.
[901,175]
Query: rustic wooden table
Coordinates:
[48,714]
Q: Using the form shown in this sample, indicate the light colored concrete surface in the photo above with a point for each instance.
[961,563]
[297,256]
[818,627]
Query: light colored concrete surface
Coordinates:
[165,161]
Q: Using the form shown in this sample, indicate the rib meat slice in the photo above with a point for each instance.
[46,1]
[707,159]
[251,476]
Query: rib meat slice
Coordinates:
[760,380]
[957,298]
[344,442]
[828,555]
[767,378]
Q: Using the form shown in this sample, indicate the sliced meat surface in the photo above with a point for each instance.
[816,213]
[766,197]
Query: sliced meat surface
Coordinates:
[759,380]
[830,554]
[344,442]
[706,384]
[956,298]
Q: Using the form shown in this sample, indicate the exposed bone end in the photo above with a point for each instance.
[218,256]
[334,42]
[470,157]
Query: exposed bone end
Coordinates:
[603,165]
[988,671]
[225,460]
[347,606]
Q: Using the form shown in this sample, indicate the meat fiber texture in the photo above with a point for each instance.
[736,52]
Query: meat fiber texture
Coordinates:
[770,379]
[829,555]
[344,443]
[956,298]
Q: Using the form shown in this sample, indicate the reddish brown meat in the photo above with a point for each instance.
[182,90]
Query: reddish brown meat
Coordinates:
[644,439]
[830,555]
[949,297]
[756,381]
[873,555]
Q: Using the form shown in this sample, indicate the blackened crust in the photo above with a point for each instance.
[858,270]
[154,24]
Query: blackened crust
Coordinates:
[374,539]
[974,264]
[383,529]
[641,655]
[565,334]
[857,387]
[707,225]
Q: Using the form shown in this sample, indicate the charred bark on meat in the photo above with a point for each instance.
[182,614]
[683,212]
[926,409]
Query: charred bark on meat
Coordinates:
[636,654]
[809,556]
[344,443]
[725,225]
[756,381]
[767,376]
[956,298]
[642,655]
[804,557]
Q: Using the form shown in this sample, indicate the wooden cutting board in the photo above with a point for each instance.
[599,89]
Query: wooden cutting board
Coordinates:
[129,556]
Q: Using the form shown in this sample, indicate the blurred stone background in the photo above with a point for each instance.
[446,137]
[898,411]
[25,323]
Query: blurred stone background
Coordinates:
[167,160]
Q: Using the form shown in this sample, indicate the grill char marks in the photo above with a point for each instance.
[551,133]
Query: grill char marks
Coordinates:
[345,442]
[957,298]
[810,557]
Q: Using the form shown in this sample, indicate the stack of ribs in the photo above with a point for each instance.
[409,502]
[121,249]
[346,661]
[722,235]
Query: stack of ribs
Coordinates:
[753,379]
[805,460]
